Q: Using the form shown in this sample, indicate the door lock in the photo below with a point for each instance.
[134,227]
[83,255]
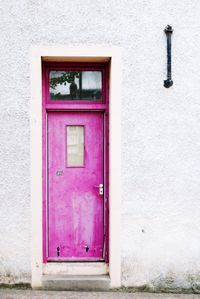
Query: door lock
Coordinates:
[100,187]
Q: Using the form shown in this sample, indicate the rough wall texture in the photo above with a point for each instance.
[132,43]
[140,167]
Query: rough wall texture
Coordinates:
[160,129]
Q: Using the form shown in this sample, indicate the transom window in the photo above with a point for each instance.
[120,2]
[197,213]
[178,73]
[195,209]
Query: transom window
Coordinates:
[75,85]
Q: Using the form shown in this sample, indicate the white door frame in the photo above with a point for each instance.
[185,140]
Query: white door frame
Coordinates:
[78,54]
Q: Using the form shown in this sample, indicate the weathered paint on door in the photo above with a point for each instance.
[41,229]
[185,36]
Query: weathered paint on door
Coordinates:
[75,207]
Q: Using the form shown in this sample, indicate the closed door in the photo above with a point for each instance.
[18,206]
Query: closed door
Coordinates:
[75,186]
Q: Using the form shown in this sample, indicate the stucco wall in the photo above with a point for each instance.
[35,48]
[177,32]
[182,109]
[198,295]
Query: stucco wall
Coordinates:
[160,130]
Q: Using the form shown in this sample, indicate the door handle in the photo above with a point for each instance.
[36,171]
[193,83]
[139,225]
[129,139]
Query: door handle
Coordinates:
[100,187]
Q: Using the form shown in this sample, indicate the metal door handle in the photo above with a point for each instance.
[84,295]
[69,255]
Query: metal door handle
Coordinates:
[100,187]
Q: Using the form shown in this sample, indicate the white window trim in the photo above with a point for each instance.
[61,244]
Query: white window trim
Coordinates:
[80,53]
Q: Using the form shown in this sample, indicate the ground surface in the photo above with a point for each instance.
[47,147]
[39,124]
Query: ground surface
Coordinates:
[26,294]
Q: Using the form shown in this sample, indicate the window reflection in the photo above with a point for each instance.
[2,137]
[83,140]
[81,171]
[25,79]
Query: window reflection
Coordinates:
[85,85]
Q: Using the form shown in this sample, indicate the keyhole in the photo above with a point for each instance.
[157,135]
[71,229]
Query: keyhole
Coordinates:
[86,248]
[58,251]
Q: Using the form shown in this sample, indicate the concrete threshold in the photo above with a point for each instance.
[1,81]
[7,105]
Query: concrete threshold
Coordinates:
[76,282]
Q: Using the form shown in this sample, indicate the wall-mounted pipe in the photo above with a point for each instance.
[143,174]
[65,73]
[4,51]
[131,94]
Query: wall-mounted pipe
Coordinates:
[168,82]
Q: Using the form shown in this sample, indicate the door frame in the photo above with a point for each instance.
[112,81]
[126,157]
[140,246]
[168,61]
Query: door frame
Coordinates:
[74,106]
[75,54]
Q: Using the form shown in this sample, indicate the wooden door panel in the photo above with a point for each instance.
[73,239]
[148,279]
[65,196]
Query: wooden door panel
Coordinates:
[75,208]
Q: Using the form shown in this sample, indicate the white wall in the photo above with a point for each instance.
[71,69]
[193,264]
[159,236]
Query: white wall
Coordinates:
[160,129]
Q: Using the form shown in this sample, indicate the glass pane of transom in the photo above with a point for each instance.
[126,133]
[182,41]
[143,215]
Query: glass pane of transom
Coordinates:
[73,85]
[75,146]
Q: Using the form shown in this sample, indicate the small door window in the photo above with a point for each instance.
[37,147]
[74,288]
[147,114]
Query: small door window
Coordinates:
[75,146]
[75,85]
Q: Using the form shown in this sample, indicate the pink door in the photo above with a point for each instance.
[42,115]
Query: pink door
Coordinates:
[75,182]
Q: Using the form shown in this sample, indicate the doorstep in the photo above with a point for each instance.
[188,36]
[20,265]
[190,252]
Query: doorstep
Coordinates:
[76,282]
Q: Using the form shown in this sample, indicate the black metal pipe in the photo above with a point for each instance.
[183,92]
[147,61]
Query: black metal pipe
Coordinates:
[168,31]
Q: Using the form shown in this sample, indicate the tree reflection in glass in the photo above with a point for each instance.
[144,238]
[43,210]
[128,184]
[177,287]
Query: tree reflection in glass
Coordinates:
[85,85]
